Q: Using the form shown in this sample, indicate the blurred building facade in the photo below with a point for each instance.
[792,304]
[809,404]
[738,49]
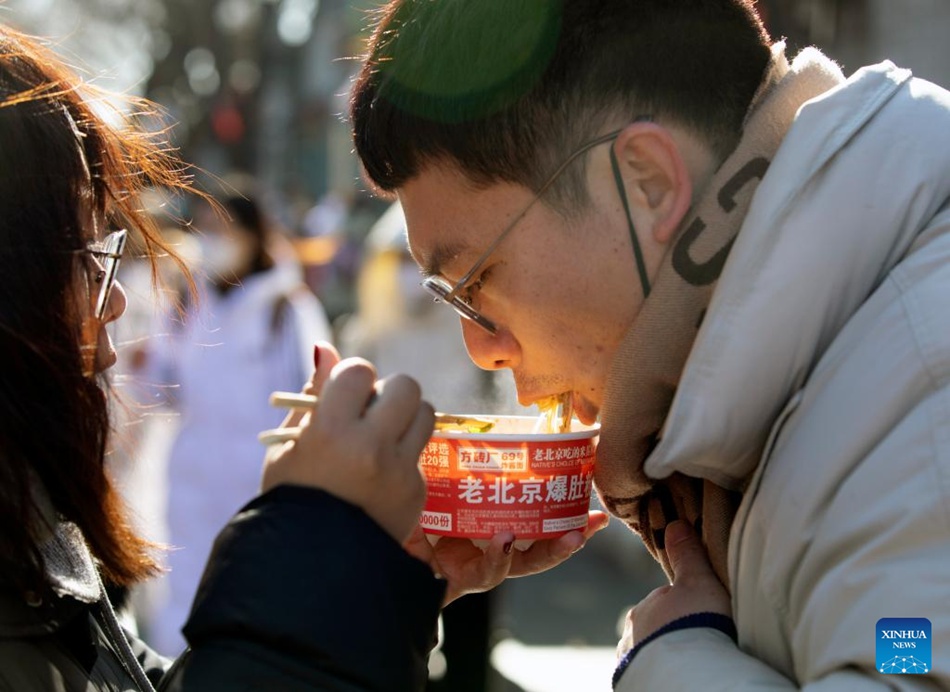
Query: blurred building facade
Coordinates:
[252,85]
[260,85]
[911,33]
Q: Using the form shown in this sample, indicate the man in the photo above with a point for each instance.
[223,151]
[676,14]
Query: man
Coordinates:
[741,266]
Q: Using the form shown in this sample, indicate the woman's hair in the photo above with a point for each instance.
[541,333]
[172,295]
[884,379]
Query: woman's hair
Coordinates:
[504,90]
[66,157]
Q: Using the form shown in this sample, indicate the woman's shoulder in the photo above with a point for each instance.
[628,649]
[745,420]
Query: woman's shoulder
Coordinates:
[33,651]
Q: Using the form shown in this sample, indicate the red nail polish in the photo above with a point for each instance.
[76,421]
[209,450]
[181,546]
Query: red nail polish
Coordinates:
[507,547]
[316,356]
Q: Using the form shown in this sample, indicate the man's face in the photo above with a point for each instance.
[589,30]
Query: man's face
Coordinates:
[562,293]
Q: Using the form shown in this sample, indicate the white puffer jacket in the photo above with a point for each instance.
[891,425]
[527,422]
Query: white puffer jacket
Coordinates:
[829,332]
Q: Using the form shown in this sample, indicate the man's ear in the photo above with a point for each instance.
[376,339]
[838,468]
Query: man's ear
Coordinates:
[656,177]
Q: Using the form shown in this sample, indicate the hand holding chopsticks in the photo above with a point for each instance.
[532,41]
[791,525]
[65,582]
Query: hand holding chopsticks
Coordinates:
[362,445]
[294,400]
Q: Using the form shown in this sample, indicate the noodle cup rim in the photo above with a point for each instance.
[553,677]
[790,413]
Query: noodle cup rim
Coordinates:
[587,432]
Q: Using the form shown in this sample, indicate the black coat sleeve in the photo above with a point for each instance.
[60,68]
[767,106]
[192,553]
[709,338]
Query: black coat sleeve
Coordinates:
[304,591]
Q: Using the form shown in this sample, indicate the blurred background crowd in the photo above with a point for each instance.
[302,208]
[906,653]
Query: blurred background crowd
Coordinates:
[255,94]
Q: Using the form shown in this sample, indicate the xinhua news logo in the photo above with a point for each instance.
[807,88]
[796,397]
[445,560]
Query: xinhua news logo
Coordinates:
[903,646]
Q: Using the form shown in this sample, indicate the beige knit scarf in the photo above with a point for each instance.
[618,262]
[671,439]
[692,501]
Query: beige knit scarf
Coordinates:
[650,360]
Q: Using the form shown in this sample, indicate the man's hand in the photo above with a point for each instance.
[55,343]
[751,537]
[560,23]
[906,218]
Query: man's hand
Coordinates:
[695,589]
[469,569]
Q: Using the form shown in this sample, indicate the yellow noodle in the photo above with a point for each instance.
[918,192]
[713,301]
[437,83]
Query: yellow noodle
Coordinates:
[556,414]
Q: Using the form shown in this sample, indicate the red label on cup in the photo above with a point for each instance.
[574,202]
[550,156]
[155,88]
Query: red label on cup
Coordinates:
[535,489]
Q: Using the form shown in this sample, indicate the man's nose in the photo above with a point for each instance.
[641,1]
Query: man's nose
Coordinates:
[490,351]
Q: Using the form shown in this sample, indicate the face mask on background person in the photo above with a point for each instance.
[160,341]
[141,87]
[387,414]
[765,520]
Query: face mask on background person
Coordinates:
[225,256]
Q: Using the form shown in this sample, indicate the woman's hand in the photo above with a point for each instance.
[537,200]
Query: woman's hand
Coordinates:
[469,569]
[362,442]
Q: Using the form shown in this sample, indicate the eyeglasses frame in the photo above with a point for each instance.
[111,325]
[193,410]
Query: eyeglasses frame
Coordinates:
[109,251]
[447,293]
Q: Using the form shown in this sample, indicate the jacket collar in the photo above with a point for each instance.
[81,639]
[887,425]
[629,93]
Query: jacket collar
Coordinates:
[72,582]
[805,259]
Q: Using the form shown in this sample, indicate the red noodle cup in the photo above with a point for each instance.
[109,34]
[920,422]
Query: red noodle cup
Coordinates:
[509,479]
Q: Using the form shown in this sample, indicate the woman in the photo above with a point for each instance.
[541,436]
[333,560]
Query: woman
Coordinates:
[68,180]
[308,586]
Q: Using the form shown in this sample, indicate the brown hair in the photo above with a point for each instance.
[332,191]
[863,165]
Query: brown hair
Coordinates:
[60,159]
[505,89]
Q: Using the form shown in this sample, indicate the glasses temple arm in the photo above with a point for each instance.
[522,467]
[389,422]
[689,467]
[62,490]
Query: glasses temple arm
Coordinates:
[514,222]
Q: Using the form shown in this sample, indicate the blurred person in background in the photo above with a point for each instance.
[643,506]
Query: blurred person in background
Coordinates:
[400,328]
[341,222]
[250,332]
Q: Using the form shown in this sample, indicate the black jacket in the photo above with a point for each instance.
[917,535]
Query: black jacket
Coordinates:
[302,592]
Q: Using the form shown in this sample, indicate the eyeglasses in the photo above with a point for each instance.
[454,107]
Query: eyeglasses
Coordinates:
[107,253]
[445,292]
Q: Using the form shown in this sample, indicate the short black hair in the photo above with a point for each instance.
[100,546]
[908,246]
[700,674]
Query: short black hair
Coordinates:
[506,89]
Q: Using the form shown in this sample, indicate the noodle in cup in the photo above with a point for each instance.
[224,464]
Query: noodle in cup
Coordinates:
[536,485]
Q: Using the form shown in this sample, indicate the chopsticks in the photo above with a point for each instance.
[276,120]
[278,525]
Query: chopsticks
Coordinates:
[295,400]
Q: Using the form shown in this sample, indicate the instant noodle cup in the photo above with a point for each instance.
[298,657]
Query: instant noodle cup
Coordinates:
[536,485]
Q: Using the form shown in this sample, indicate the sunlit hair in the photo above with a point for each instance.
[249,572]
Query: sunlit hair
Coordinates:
[66,156]
[504,90]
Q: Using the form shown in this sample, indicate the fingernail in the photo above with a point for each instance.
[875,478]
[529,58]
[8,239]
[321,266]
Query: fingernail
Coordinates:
[580,544]
[507,547]
[316,356]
